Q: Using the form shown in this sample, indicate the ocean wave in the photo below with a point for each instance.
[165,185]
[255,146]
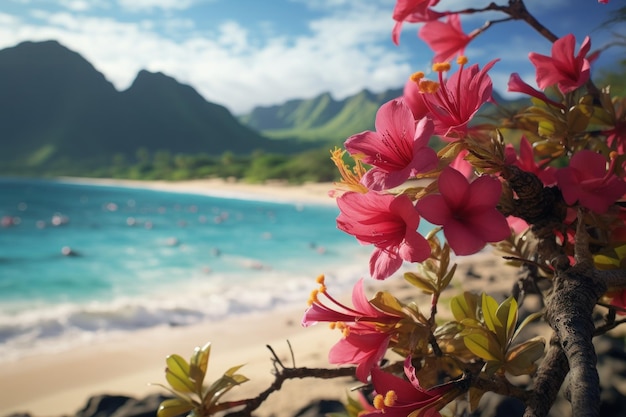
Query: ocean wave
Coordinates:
[47,328]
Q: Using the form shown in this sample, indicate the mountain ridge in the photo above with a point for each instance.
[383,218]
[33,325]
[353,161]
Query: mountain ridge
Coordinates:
[321,118]
[58,111]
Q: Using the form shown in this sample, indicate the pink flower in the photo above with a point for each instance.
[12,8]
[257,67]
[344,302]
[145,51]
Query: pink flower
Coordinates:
[564,69]
[397,150]
[389,223]
[414,11]
[517,225]
[467,212]
[462,165]
[367,330]
[526,162]
[517,85]
[587,181]
[616,136]
[451,103]
[398,397]
[446,39]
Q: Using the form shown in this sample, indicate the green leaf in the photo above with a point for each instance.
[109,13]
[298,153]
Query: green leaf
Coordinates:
[547,149]
[386,302]
[447,278]
[231,371]
[484,345]
[489,308]
[200,357]
[222,385]
[198,365]
[578,117]
[424,284]
[491,367]
[173,407]
[546,128]
[464,306]
[530,318]
[507,315]
[177,374]
[521,359]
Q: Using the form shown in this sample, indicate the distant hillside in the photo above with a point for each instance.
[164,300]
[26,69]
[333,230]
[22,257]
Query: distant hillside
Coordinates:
[320,119]
[58,112]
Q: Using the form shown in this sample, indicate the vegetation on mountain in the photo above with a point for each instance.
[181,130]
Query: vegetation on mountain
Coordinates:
[320,119]
[308,166]
[59,115]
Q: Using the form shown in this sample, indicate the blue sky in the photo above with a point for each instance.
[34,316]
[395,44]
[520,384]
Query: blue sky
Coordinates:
[246,53]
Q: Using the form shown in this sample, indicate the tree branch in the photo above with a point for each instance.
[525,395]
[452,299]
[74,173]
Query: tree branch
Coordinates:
[548,381]
[517,11]
[282,374]
[569,312]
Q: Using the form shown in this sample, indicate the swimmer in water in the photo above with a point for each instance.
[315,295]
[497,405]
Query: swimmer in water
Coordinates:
[67,251]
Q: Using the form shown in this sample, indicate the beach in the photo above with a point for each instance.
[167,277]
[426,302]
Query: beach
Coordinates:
[60,383]
[277,191]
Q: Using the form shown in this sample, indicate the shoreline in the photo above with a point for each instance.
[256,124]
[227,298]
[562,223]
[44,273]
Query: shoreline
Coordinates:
[282,192]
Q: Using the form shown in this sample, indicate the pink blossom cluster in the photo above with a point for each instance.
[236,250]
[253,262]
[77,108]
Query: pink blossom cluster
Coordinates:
[462,199]
[398,151]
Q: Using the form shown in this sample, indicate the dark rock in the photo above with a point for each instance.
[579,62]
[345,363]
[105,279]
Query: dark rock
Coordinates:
[494,405]
[613,403]
[321,408]
[121,406]
[102,405]
[145,407]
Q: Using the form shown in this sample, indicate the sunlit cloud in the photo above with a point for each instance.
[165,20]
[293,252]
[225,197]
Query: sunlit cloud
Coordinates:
[148,5]
[345,48]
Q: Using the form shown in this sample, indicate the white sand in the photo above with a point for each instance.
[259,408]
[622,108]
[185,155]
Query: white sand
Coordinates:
[275,191]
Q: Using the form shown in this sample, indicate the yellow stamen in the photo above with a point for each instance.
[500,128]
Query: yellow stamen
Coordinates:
[320,280]
[379,402]
[346,331]
[613,155]
[351,178]
[332,325]
[428,86]
[390,398]
[441,66]
[417,76]
[461,60]
[313,297]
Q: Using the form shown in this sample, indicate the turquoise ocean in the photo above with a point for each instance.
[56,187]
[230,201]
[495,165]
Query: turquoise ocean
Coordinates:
[79,262]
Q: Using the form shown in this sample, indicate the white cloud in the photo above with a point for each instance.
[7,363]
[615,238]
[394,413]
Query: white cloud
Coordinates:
[341,55]
[343,52]
[75,5]
[233,36]
[143,5]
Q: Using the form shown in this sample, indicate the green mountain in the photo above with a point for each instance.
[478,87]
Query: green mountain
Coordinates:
[58,113]
[321,119]
[329,122]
